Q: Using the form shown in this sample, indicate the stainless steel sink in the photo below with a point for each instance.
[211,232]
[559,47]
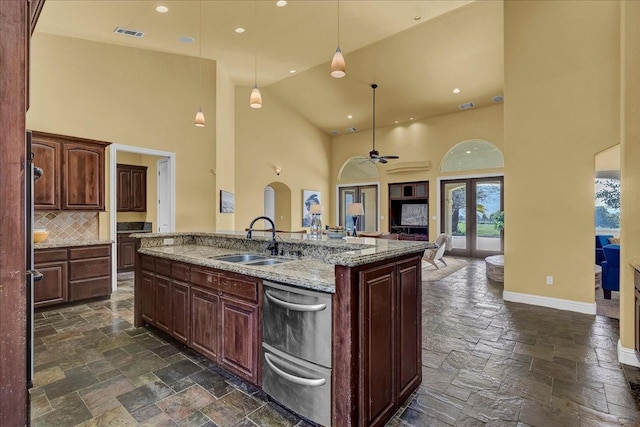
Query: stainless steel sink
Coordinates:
[269,261]
[241,258]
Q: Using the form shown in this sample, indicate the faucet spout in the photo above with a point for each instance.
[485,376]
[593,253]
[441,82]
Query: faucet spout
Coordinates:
[273,246]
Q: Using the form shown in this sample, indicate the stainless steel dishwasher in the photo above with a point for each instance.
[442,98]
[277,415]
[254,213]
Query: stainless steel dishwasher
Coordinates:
[296,361]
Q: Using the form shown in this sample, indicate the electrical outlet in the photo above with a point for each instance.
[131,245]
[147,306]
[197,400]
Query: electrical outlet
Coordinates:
[549,280]
[167,241]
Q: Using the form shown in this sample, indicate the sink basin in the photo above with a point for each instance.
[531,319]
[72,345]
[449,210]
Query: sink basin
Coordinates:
[240,258]
[269,261]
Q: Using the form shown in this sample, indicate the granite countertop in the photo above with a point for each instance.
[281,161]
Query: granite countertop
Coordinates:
[132,231]
[315,269]
[311,273]
[70,243]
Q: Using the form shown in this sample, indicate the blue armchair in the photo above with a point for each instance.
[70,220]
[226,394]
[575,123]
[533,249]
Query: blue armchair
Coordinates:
[610,270]
[601,240]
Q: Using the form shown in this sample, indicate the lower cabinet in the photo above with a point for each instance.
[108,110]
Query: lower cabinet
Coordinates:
[72,274]
[126,253]
[214,312]
[636,281]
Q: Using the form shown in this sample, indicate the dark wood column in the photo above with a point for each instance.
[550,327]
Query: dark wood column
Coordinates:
[13,300]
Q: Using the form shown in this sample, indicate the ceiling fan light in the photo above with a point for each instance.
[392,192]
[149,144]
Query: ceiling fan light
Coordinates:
[338,67]
[200,118]
[255,101]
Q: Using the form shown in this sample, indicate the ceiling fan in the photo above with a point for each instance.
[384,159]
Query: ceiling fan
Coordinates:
[374,155]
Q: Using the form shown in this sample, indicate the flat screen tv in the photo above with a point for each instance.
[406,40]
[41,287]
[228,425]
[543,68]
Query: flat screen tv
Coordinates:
[413,214]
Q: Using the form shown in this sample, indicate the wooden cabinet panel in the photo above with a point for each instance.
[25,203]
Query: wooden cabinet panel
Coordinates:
[147,298]
[409,306]
[126,256]
[636,281]
[239,338]
[47,155]
[89,268]
[147,263]
[83,176]
[421,190]
[163,315]
[204,322]
[49,255]
[163,267]
[89,288]
[90,252]
[180,311]
[124,189]
[378,342]
[52,288]
[205,278]
[239,286]
[395,191]
[180,271]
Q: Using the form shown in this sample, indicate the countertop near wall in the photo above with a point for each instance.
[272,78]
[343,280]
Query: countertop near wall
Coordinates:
[134,227]
[70,243]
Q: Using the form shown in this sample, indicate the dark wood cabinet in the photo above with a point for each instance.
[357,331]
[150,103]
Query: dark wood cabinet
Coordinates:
[239,338]
[180,314]
[73,172]
[636,281]
[409,208]
[47,156]
[148,303]
[204,322]
[164,315]
[132,188]
[408,313]
[72,274]
[126,253]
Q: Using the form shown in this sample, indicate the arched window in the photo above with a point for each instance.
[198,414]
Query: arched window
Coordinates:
[358,169]
[472,154]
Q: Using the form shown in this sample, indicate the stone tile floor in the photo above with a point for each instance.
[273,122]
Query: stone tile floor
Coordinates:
[485,362]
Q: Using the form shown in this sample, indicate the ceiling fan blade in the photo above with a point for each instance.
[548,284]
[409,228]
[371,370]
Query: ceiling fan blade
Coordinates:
[389,157]
[382,160]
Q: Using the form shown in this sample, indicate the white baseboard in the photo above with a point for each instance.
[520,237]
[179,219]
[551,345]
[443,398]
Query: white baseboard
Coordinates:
[627,356]
[561,304]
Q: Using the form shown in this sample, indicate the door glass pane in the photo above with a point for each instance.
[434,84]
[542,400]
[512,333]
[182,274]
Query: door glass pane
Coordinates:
[455,200]
[487,238]
[347,196]
[369,200]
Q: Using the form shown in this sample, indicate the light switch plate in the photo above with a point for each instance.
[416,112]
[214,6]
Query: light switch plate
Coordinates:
[167,241]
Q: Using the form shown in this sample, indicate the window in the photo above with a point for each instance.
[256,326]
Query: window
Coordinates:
[607,204]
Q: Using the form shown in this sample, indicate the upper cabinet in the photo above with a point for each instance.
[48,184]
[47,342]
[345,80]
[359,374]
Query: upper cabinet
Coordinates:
[132,188]
[73,172]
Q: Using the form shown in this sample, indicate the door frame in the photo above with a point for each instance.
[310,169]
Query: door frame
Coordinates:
[461,177]
[356,184]
[114,149]
[159,191]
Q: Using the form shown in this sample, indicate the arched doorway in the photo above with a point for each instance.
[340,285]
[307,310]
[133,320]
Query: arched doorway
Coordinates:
[277,205]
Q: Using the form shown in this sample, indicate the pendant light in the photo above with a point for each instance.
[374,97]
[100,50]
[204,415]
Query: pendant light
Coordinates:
[255,101]
[199,122]
[338,67]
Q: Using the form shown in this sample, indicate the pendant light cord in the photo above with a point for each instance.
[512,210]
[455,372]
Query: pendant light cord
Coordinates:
[374,86]
[200,55]
[255,44]
[338,23]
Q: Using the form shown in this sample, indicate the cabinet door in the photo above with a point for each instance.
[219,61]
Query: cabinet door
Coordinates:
[139,189]
[124,189]
[46,190]
[378,342]
[128,254]
[162,288]
[204,322]
[409,328]
[52,288]
[239,338]
[83,177]
[637,325]
[148,298]
[421,190]
[180,311]
[395,191]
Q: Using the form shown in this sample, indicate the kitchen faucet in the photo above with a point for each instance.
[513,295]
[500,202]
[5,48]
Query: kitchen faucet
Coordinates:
[273,246]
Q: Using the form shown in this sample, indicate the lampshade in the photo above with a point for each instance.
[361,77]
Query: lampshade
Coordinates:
[355,209]
[255,101]
[338,67]
[315,209]
[200,118]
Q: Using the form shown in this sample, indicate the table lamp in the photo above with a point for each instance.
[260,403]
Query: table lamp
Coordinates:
[316,223]
[355,210]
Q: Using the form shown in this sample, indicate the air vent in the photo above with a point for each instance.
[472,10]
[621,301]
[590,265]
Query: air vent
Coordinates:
[498,98]
[466,106]
[128,32]
[351,130]
[334,132]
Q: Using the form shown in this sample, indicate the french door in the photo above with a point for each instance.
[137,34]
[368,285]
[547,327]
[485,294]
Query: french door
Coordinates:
[469,208]
[368,196]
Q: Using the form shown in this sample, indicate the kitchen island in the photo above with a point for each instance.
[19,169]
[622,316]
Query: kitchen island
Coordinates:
[368,321]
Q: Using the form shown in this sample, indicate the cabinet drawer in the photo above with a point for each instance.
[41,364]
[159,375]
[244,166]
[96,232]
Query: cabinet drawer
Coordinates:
[90,288]
[204,278]
[240,286]
[163,267]
[180,271]
[89,268]
[49,255]
[90,252]
[147,263]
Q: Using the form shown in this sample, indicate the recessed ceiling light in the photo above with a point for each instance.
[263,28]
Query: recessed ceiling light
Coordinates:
[456,90]
[281,3]
[417,18]
[468,152]
[397,122]
[410,118]
[349,116]
[240,30]
[497,98]
[292,71]
[186,39]
[162,9]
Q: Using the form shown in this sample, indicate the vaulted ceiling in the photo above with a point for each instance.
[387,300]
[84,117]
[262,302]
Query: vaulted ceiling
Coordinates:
[416,51]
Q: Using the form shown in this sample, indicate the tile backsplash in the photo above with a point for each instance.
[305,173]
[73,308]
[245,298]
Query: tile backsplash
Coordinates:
[68,225]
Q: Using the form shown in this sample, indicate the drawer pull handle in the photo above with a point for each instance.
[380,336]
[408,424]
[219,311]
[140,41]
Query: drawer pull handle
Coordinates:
[293,306]
[311,382]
